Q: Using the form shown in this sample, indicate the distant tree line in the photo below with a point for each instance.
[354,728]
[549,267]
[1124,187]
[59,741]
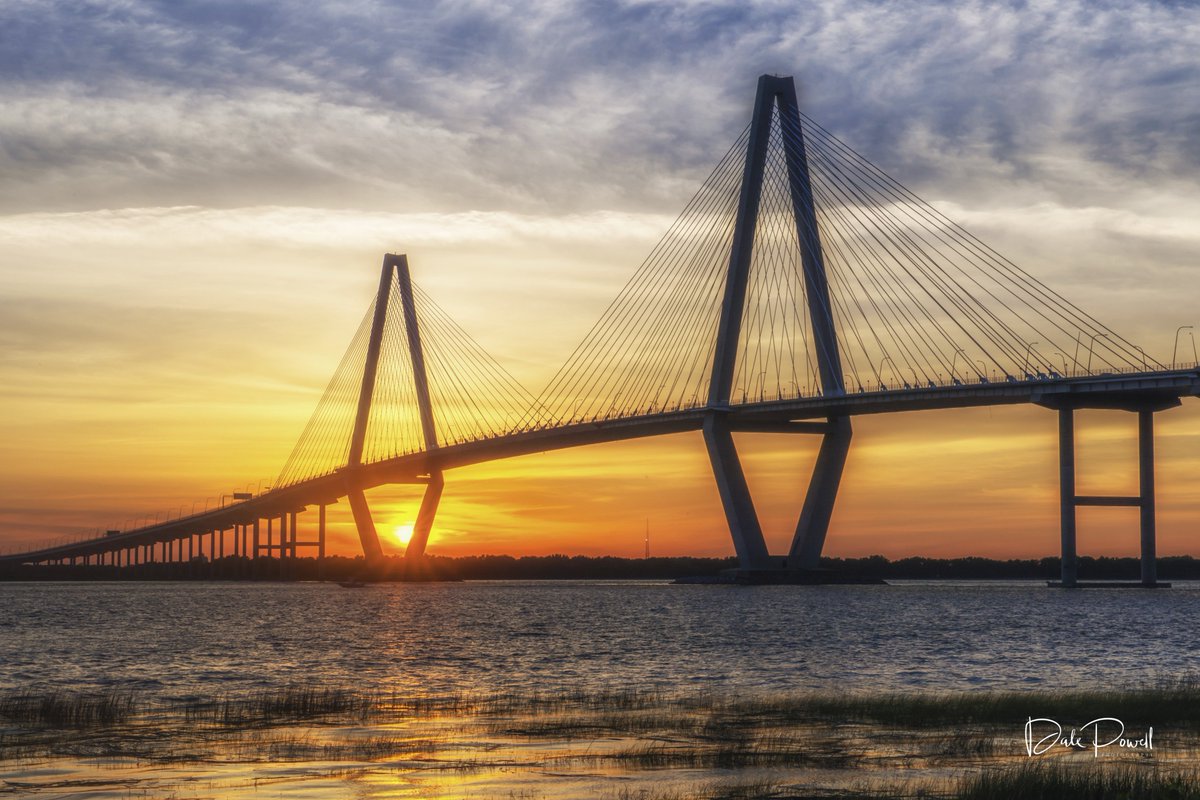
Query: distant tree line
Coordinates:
[562,567]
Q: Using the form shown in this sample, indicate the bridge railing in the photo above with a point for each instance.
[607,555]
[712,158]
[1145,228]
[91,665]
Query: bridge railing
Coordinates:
[792,391]
[902,384]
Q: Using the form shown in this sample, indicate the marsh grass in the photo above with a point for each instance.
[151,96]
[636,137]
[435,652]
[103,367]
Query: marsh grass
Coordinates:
[1176,703]
[66,709]
[853,736]
[555,715]
[711,790]
[290,704]
[1050,781]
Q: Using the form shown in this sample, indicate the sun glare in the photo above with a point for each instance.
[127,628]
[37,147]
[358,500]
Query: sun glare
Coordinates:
[403,533]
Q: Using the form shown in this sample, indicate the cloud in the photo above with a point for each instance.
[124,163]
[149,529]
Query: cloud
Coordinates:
[573,106]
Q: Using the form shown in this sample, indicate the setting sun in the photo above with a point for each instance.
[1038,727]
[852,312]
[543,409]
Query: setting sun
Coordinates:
[402,533]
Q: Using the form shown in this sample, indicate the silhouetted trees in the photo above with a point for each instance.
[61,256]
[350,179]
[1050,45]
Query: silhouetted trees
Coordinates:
[562,567]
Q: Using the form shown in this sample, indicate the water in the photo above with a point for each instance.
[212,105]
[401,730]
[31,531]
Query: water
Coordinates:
[185,639]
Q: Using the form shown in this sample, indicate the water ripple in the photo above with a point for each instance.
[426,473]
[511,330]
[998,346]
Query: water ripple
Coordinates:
[195,638]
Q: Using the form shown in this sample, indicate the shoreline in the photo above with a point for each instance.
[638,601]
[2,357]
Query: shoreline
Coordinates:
[872,569]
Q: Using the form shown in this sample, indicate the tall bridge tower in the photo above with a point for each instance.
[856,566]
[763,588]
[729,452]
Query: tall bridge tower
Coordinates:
[776,102]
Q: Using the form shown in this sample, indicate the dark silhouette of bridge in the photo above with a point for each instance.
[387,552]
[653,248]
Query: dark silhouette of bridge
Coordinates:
[800,287]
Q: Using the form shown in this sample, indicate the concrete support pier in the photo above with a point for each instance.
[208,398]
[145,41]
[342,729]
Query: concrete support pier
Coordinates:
[1144,501]
[1066,488]
[817,511]
[1146,488]
[743,522]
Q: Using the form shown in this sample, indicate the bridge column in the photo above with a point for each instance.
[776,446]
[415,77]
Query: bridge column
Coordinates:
[1146,481]
[1066,489]
[433,490]
[367,535]
[743,522]
[425,515]
[294,538]
[283,540]
[321,543]
[813,524]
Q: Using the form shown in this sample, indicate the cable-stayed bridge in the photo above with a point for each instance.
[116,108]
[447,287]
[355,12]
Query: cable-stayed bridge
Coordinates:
[800,287]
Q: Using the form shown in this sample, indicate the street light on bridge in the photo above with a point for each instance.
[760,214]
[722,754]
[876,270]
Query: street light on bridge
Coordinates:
[1092,347]
[1175,351]
[1028,350]
[880,373]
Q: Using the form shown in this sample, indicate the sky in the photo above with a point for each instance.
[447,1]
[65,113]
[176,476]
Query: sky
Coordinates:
[195,198]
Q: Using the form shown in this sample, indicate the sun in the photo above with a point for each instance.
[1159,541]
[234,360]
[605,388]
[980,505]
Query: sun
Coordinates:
[402,533]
